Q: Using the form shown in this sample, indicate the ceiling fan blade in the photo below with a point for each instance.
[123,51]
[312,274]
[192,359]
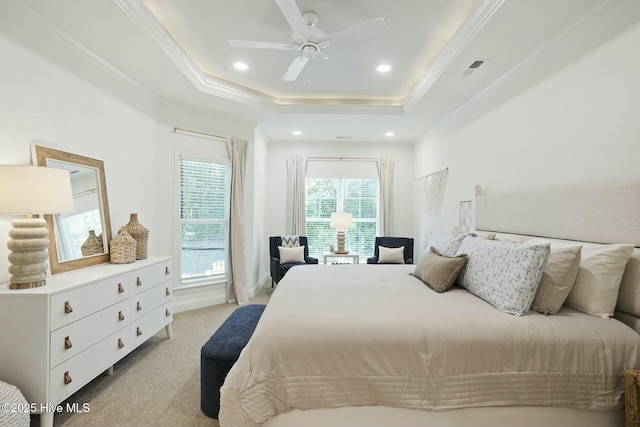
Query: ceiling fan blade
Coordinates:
[295,68]
[262,45]
[293,16]
[361,32]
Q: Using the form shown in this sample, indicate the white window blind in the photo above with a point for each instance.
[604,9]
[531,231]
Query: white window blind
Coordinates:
[204,218]
[359,196]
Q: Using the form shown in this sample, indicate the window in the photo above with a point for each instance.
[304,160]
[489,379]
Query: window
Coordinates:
[204,220]
[359,196]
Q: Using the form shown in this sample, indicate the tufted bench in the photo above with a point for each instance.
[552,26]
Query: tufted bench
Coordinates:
[222,350]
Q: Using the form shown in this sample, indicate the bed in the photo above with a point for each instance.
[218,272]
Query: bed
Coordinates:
[363,345]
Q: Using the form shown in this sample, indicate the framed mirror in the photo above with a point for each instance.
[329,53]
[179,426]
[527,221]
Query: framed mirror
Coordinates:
[79,239]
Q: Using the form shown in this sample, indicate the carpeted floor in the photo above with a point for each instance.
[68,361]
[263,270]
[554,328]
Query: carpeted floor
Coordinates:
[158,384]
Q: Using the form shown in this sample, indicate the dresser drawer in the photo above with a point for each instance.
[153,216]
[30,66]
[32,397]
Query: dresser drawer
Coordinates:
[72,305]
[145,302]
[148,277]
[69,376]
[146,326]
[72,339]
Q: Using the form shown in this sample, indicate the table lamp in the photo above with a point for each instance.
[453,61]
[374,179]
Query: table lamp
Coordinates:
[28,190]
[341,221]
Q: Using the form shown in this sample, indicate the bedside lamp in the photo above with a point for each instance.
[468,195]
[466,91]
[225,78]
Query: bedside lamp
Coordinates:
[341,221]
[28,190]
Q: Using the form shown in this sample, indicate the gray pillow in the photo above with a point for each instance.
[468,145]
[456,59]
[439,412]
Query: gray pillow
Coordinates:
[558,278]
[439,272]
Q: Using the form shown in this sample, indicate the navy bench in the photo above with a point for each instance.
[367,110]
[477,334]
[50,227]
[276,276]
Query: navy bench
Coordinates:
[222,350]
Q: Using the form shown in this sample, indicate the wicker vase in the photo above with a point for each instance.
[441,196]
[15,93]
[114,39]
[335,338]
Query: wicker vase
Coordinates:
[141,234]
[93,245]
[122,249]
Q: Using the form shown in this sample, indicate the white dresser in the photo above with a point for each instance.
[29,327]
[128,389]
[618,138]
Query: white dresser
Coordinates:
[57,338]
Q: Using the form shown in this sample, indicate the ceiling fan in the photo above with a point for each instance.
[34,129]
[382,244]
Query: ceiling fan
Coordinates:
[308,40]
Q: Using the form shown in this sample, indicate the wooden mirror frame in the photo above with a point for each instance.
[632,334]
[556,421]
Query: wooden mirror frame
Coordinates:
[40,155]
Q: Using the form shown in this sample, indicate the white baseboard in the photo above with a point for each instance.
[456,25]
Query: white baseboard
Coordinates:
[194,297]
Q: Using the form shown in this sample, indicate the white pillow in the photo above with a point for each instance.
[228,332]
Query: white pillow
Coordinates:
[445,244]
[504,274]
[598,283]
[294,254]
[390,255]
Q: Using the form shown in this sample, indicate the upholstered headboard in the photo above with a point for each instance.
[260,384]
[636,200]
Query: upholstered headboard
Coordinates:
[598,213]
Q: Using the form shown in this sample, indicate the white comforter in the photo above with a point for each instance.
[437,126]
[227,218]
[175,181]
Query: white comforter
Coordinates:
[354,335]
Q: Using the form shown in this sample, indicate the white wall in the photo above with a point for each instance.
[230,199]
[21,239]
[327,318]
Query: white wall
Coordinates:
[403,183]
[43,103]
[580,125]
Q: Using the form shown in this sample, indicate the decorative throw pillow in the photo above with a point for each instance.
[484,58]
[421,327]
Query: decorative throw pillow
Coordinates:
[390,255]
[294,254]
[480,234]
[504,274]
[439,272]
[599,276]
[558,276]
[446,244]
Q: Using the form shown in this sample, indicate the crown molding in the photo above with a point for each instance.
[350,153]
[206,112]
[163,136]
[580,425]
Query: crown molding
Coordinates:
[519,67]
[85,51]
[480,16]
[206,84]
[224,89]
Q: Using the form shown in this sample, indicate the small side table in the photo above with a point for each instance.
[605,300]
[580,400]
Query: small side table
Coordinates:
[354,257]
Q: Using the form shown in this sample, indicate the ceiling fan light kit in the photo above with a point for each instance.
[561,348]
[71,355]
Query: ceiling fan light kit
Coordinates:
[308,40]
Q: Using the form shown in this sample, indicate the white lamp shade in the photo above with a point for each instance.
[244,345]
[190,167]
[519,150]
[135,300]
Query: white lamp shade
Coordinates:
[35,190]
[341,220]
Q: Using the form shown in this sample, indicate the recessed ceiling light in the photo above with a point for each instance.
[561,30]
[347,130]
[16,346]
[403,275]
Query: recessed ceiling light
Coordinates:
[389,133]
[240,66]
[297,132]
[383,68]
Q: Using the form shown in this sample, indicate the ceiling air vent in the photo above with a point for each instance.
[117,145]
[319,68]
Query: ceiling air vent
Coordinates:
[474,66]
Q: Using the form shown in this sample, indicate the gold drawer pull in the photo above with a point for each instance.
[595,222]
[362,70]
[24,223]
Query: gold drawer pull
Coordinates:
[138,306]
[120,288]
[166,271]
[67,343]
[167,292]
[167,313]
[138,331]
[67,378]
[120,343]
[67,307]
[138,281]
[120,316]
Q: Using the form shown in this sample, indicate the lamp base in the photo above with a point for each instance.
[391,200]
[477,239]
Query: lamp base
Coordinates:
[340,242]
[27,285]
[28,246]
[341,252]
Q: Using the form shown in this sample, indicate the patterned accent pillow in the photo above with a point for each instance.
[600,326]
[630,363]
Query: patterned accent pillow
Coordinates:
[445,244]
[504,274]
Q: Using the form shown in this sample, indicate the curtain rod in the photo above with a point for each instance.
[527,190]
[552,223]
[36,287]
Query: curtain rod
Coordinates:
[433,173]
[362,159]
[198,132]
